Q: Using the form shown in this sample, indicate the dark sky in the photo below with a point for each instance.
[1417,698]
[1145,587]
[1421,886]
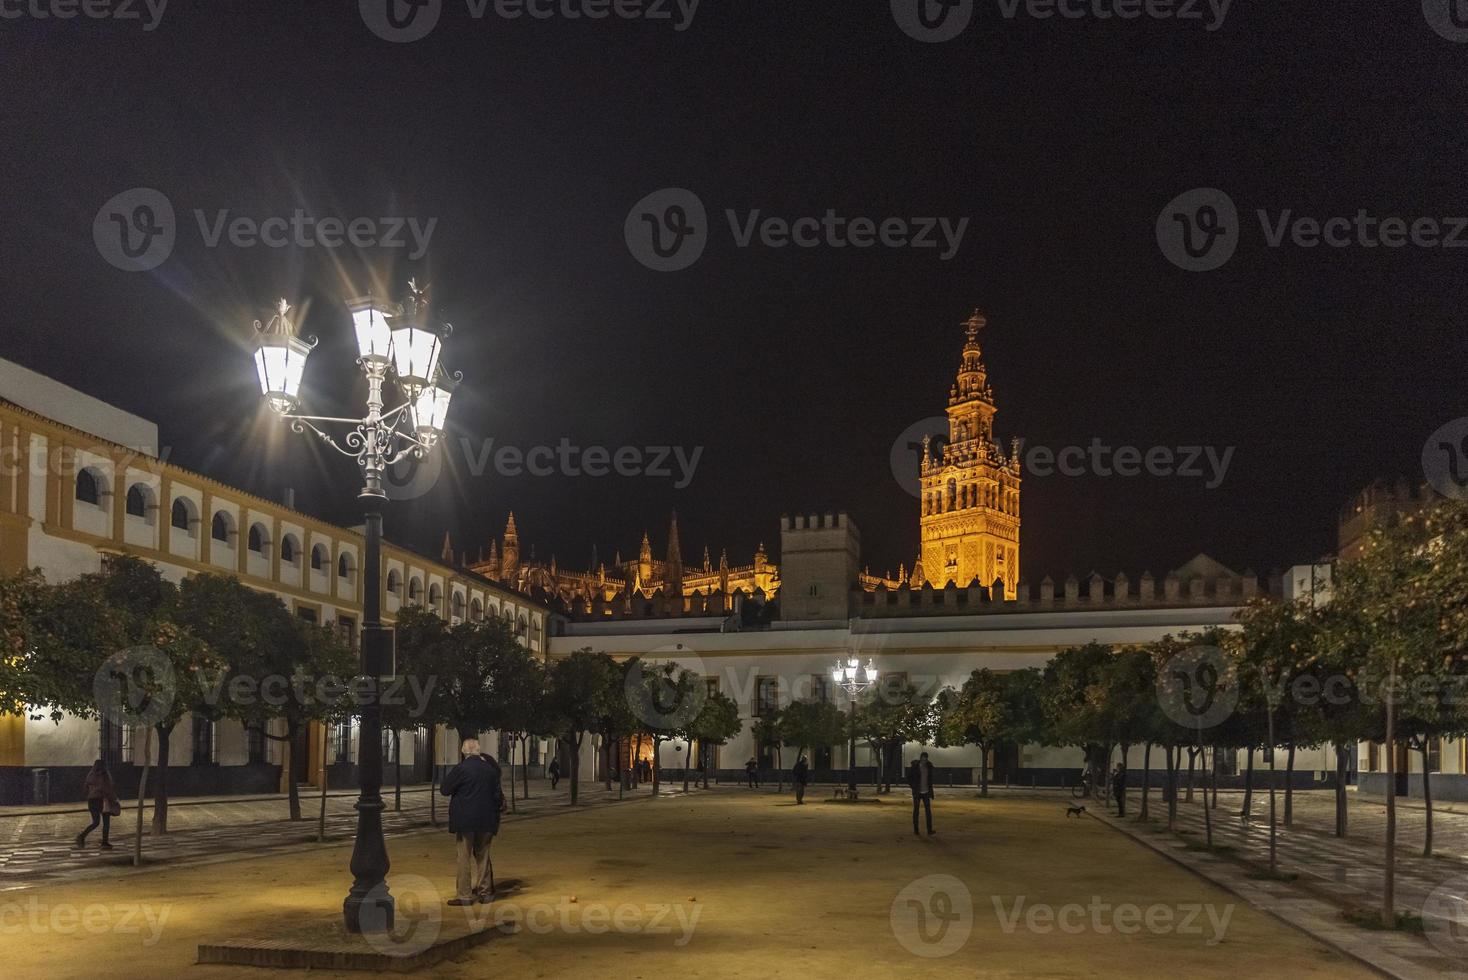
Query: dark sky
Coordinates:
[794,369]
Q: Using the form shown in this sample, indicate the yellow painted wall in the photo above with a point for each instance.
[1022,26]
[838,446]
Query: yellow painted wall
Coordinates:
[12,740]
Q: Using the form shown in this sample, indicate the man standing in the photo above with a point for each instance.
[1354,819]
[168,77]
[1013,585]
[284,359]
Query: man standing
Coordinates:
[751,773]
[475,803]
[1118,788]
[555,772]
[920,779]
[799,775]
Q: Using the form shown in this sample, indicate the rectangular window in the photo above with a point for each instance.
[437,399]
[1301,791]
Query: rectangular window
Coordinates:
[347,628]
[255,744]
[766,696]
[1435,755]
[204,742]
[1373,757]
[342,742]
[820,688]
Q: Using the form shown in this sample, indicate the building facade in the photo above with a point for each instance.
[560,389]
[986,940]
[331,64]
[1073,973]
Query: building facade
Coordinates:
[80,480]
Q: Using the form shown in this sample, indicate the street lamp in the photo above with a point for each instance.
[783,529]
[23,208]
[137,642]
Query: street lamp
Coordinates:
[394,344]
[853,678]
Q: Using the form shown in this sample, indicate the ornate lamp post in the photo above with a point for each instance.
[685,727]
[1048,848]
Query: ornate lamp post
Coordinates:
[853,678]
[394,344]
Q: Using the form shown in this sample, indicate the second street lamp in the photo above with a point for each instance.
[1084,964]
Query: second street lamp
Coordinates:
[393,345]
[853,678]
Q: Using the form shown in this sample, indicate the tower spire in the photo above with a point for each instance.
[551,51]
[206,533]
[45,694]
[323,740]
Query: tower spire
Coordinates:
[673,575]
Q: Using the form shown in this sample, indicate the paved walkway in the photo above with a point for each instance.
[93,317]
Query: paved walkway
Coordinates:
[1329,875]
[39,845]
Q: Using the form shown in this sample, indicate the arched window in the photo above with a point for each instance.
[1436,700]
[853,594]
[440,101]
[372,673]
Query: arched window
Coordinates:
[435,595]
[415,589]
[476,610]
[394,581]
[137,500]
[219,527]
[257,538]
[288,549]
[522,626]
[457,604]
[88,486]
[344,566]
[318,557]
[182,517]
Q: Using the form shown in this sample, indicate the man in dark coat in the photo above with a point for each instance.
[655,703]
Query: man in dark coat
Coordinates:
[1118,788]
[920,779]
[555,772]
[475,803]
[799,775]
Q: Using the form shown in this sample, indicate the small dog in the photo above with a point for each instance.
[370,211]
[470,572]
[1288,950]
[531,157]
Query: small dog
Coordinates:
[1075,811]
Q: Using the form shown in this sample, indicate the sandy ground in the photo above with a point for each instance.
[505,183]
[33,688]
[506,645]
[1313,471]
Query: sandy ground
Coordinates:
[716,885]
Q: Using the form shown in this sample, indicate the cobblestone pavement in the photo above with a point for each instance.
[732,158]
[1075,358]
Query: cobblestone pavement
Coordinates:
[39,846]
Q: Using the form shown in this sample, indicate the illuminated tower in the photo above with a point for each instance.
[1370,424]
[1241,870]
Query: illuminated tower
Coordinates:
[970,488]
[673,567]
[510,565]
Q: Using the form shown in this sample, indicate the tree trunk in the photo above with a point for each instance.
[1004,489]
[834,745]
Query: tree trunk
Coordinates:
[397,770]
[433,775]
[574,744]
[321,815]
[525,769]
[1171,755]
[1248,807]
[1341,762]
[143,794]
[1213,775]
[1207,810]
[1389,869]
[983,769]
[1426,803]
[160,794]
[296,764]
[1273,824]
[1145,812]
[687,761]
[1289,818]
[513,807]
[1192,765]
[657,769]
[606,755]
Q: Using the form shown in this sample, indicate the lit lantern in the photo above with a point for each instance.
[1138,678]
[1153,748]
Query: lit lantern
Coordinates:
[280,360]
[431,408]
[374,334]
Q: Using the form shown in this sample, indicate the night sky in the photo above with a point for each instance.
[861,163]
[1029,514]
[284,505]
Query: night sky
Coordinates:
[794,369]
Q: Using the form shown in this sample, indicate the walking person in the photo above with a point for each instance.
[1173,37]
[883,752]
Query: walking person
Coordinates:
[799,775]
[476,801]
[1118,788]
[102,803]
[920,779]
[751,773]
[555,772]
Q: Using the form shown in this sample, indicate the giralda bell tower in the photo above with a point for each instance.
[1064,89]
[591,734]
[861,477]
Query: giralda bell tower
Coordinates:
[970,488]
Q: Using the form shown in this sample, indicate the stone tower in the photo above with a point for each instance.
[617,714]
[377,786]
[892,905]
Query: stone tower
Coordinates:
[819,556]
[510,556]
[673,569]
[970,488]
